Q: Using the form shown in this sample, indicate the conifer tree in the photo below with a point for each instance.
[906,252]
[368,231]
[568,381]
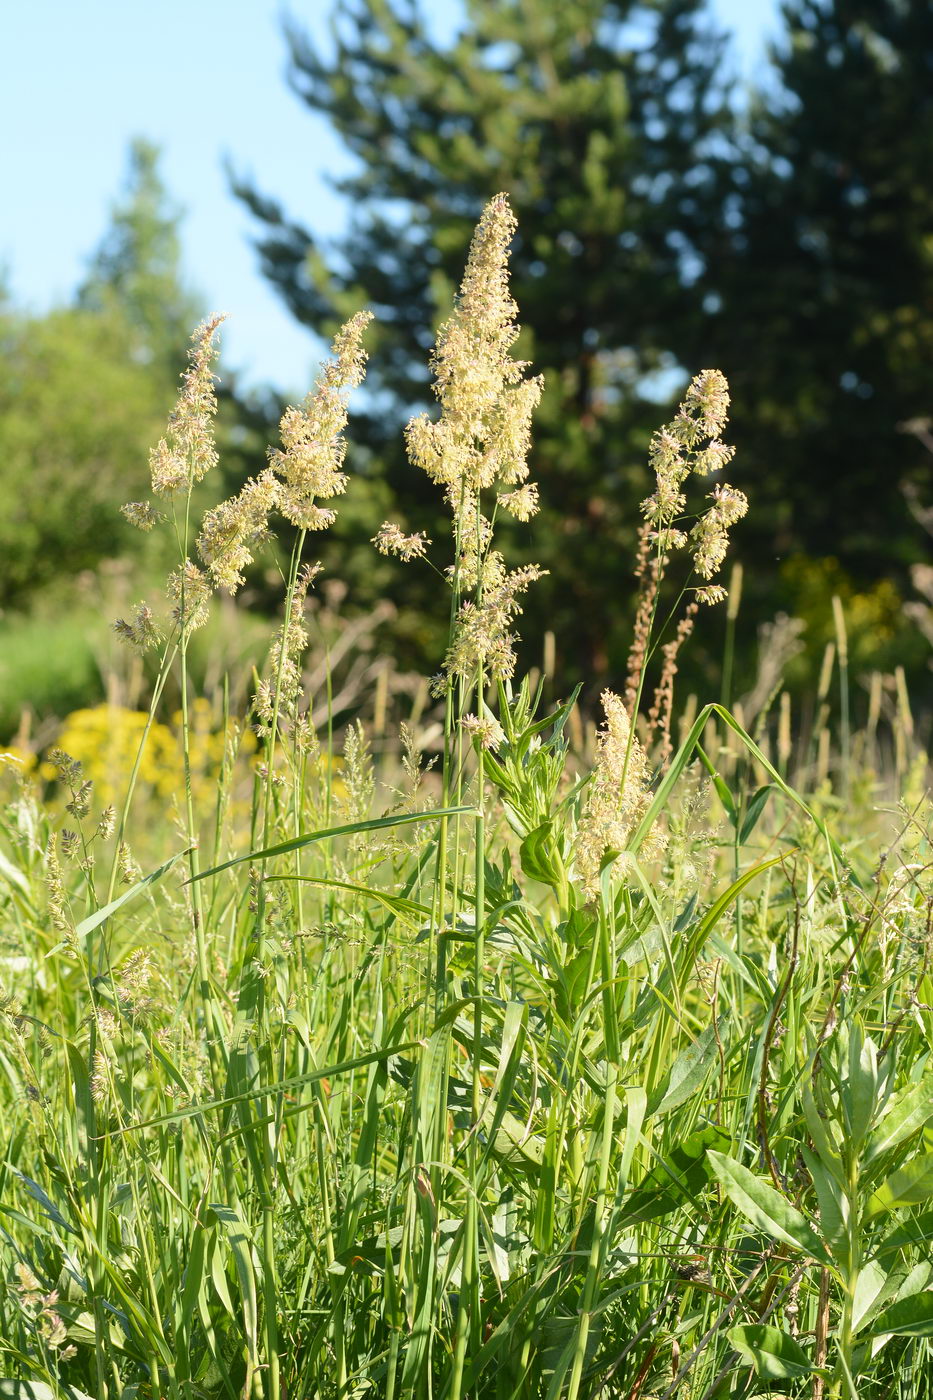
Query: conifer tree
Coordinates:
[825,275]
[605,122]
[136,268]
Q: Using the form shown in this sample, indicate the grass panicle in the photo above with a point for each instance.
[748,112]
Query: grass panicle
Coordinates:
[524,1057]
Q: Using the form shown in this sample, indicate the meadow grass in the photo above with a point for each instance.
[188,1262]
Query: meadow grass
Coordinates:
[557,1063]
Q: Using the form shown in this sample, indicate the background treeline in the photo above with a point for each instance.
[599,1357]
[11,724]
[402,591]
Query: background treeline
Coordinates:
[670,219]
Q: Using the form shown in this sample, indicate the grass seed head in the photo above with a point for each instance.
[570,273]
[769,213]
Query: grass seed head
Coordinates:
[187,452]
[484,432]
[141,632]
[231,530]
[482,638]
[391,539]
[617,798]
[309,462]
[190,591]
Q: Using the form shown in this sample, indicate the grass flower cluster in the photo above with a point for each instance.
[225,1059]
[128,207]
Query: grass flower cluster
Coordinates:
[522,1060]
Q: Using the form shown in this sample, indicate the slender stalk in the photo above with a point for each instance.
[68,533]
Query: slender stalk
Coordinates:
[845,730]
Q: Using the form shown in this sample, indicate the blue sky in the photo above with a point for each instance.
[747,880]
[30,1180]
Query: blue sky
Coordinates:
[204,79]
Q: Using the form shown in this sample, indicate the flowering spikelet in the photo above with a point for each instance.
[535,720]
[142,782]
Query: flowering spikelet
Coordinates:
[141,632]
[357,773]
[487,732]
[480,442]
[313,448]
[277,697]
[710,595]
[55,891]
[140,514]
[482,637]
[187,452]
[617,798]
[40,1307]
[71,774]
[478,566]
[130,872]
[134,985]
[190,591]
[710,534]
[69,769]
[522,503]
[676,450]
[103,1065]
[484,432]
[690,443]
[390,539]
[229,530]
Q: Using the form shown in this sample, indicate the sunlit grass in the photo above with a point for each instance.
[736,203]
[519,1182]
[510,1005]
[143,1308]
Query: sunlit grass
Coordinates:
[500,1062]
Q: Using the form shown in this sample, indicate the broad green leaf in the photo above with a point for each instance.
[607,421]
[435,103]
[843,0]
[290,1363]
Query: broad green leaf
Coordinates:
[910,1317]
[766,1208]
[868,1289]
[679,1176]
[860,1084]
[908,1114]
[908,1186]
[832,1202]
[820,1132]
[513,1143]
[912,1232]
[687,1074]
[773,1354]
[511,1045]
[242,1251]
[540,858]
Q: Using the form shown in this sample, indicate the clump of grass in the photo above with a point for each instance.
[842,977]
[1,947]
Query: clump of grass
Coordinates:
[524,1076]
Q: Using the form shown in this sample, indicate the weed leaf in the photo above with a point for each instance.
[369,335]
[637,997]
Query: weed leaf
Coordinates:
[767,1208]
[773,1354]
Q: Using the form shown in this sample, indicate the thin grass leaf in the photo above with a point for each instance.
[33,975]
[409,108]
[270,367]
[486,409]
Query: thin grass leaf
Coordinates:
[280,1086]
[297,843]
[396,904]
[100,916]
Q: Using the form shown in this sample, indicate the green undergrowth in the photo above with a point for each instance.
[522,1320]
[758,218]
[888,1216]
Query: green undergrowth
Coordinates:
[527,1068]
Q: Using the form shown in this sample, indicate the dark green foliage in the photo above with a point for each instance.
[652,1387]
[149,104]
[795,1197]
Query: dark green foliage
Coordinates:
[607,126]
[824,272]
[84,392]
[662,230]
[77,415]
